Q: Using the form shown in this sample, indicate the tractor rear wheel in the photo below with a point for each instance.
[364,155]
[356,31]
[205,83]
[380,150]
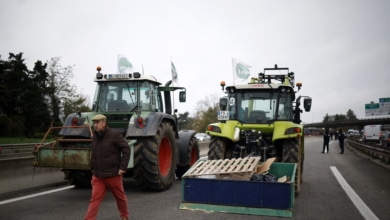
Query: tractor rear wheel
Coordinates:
[217,148]
[159,158]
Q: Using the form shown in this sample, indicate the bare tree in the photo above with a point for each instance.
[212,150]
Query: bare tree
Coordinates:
[75,105]
[63,98]
[206,112]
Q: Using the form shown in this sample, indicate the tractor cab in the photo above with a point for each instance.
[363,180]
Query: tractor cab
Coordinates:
[121,96]
[126,93]
[259,106]
[263,100]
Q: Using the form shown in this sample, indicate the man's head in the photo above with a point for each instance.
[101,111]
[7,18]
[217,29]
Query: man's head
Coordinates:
[99,122]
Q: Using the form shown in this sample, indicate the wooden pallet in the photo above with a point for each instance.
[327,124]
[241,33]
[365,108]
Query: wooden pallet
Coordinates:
[238,166]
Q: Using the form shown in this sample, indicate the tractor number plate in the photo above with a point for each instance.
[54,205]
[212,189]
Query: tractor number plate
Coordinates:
[223,115]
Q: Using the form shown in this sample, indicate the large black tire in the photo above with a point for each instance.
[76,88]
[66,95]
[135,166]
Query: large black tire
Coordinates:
[217,148]
[78,178]
[191,157]
[290,151]
[292,154]
[138,161]
[159,158]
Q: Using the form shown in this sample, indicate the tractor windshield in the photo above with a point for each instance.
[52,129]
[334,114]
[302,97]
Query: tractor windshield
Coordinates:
[126,96]
[259,107]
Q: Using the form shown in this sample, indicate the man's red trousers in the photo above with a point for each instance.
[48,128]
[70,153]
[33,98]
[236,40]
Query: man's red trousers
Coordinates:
[99,188]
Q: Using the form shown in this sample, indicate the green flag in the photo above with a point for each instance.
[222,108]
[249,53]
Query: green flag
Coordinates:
[124,65]
[241,71]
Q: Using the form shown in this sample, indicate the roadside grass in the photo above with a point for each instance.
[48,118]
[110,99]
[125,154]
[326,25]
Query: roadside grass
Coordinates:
[22,140]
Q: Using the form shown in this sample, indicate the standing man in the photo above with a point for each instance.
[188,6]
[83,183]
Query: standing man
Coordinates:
[326,141]
[341,141]
[109,160]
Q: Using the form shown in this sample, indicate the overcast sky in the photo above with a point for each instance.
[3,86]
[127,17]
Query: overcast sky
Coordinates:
[339,50]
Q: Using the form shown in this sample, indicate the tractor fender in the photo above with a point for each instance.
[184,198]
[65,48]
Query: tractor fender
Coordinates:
[226,130]
[280,130]
[152,123]
[185,137]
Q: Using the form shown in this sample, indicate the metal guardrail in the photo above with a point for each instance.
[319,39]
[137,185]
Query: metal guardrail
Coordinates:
[373,151]
[16,150]
[4,146]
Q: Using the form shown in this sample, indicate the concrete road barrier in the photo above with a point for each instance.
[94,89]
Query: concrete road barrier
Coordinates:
[19,174]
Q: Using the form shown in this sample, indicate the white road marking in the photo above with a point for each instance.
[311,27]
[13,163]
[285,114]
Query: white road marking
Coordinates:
[34,195]
[359,204]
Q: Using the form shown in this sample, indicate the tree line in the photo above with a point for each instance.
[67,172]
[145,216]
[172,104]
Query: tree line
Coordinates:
[205,114]
[340,117]
[33,100]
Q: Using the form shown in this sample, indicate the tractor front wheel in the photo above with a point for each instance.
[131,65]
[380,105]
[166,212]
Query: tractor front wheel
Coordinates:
[78,178]
[217,148]
[138,163]
[292,154]
[191,157]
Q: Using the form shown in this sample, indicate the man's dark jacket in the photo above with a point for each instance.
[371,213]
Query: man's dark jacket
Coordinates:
[110,153]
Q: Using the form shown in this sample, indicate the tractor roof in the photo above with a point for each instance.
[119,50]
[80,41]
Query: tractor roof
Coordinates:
[257,86]
[125,77]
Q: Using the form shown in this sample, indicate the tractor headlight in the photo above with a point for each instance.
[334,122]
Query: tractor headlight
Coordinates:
[293,130]
[213,128]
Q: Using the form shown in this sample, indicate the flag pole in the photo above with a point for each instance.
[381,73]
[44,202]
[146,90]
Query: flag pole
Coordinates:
[234,77]
[173,69]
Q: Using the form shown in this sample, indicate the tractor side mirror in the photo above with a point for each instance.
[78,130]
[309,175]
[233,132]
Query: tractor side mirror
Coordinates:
[307,104]
[223,102]
[182,96]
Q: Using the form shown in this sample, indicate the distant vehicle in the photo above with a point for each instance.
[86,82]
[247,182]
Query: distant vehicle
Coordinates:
[372,133]
[202,136]
[352,132]
[312,131]
[385,139]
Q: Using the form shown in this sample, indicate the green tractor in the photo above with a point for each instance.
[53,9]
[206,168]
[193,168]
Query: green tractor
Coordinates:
[261,118]
[142,109]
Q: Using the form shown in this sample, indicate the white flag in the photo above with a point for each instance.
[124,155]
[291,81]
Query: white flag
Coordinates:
[124,65]
[241,71]
[174,73]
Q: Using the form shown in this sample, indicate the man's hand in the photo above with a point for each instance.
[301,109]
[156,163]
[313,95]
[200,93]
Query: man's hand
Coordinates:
[121,172]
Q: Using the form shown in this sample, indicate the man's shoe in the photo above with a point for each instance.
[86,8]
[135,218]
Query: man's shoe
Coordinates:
[322,152]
